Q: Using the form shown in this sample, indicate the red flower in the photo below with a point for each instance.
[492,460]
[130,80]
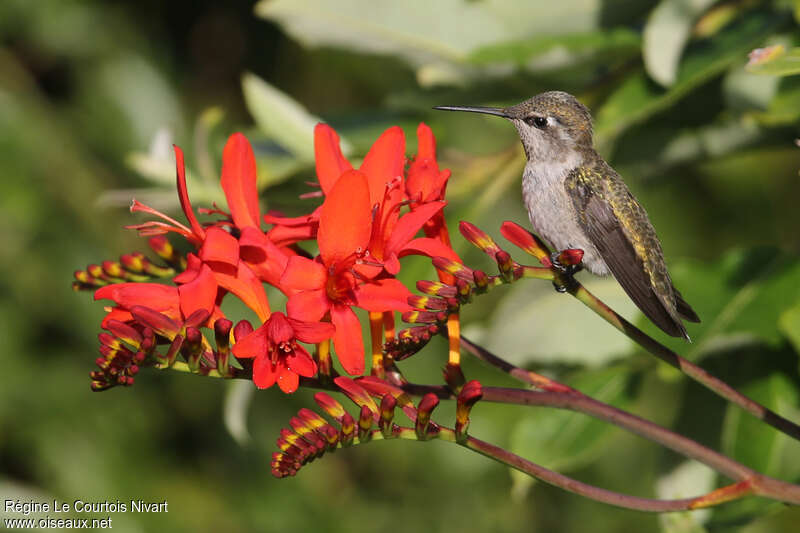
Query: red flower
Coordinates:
[425,182]
[331,284]
[277,355]
[176,303]
[239,265]
[392,235]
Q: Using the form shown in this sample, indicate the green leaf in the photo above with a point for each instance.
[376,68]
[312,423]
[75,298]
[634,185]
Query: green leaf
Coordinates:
[542,52]
[665,35]
[449,30]
[282,118]
[775,61]
[789,324]
[637,99]
[564,440]
[784,108]
[761,447]
[687,480]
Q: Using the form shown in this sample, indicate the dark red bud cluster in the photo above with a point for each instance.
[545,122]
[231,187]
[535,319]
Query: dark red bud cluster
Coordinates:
[123,352]
[127,346]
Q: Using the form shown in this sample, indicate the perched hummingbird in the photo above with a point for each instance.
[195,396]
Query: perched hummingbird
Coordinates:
[576,200]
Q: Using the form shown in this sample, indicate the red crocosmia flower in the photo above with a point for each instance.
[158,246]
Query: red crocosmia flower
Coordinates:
[220,251]
[195,234]
[425,182]
[199,292]
[239,182]
[383,167]
[238,265]
[331,284]
[277,355]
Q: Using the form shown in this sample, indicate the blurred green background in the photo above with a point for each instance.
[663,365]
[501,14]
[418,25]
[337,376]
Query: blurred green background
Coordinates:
[92,93]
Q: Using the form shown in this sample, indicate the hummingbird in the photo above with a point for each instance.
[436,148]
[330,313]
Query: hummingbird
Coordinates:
[576,200]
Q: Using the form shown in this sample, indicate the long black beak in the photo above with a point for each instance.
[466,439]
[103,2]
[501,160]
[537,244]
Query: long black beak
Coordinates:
[474,109]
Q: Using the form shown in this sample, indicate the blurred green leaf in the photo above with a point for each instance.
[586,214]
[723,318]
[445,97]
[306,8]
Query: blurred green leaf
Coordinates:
[564,440]
[687,480]
[750,441]
[637,99]
[784,108]
[666,34]
[775,61]
[739,299]
[446,34]
[789,324]
[536,323]
[558,50]
[759,446]
[282,118]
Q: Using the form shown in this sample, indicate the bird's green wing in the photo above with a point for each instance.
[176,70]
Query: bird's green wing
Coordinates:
[620,230]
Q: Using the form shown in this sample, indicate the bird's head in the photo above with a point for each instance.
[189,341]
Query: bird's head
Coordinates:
[552,125]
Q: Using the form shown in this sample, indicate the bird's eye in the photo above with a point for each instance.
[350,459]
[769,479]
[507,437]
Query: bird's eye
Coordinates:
[538,122]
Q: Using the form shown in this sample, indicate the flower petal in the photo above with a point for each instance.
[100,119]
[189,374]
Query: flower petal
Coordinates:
[303,274]
[410,223]
[301,363]
[183,194]
[153,295]
[426,143]
[264,372]
[384,162]
[308,305]
[345,222]
[253,345]
[263,257]
[331,164]
[429,247]
[347,339]
[246,286]
[383,295]
[221,246]
[288,380]
[239,181]
[200,293]
[311,332]
[193,264]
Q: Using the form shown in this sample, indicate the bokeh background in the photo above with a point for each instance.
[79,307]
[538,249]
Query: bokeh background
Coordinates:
[92,94]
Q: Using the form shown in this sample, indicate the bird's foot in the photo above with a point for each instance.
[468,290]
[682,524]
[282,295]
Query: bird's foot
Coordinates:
[564,279]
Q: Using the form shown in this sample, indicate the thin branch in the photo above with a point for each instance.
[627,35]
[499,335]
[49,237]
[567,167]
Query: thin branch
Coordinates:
[690,369]
[758,483]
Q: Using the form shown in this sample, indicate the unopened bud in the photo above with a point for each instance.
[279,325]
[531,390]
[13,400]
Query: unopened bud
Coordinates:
[426,406]
[348,430]
[388,404]
[470,393]
[365,421]
[222,337]
[192,348]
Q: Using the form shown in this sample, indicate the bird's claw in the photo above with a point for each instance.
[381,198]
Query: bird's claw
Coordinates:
[564,279]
